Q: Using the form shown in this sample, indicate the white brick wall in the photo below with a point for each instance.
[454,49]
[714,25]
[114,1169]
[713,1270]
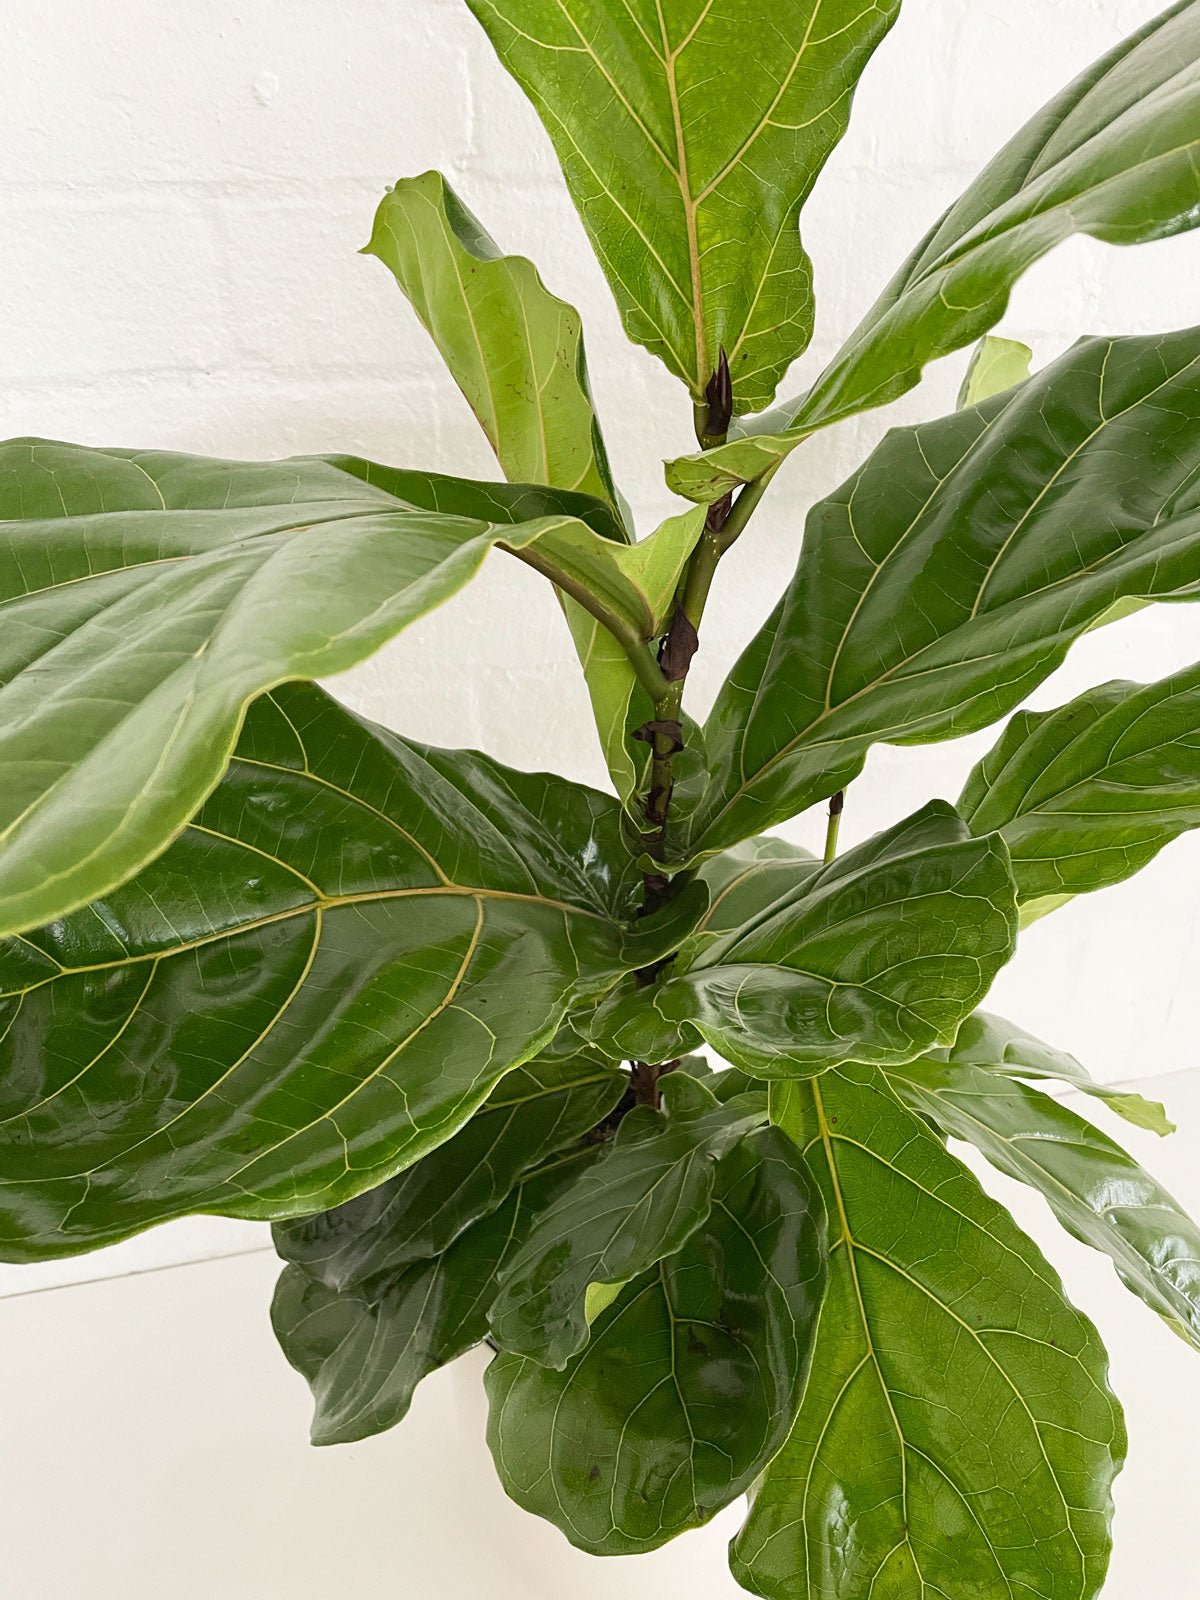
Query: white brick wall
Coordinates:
[183,188]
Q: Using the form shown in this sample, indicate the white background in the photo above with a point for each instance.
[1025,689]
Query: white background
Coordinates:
[183,190]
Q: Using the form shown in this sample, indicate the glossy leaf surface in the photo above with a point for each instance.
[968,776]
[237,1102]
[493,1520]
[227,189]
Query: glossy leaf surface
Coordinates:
[1097,1191]
[997,1046]
[950,575]
[533,1112]
[1114,156]
[1089,793]
[322,978]
[641,1202]
[957,1436]
[873,957]
[690,1378]
[365,1347]
[147,597]
[691,196]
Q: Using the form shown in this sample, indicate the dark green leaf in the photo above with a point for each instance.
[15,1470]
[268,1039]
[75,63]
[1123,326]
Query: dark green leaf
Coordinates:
[1088,794]
[1097,1191]
[364,1348]
[640,1202]
[321,980]
[691,194]
[957,1436]
[691,1376]
[873,957]
[950,575]
[1115,156]
[532,1112]
[998,1046]
[147,597]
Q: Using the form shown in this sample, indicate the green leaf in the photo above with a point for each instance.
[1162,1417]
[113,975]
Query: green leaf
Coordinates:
[365,1346]
[996,366]
[147,597]
[691,1376]
[875,957]
[533,1112]
[950,575]
[957,1435]
[999,1047]
[1115,156]
[691,194]
[1097,1191]
[1087,794]
[639,1203]
[320,981]
[514,349]
[516,352]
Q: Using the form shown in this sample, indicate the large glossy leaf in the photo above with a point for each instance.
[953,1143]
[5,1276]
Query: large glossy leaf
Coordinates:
[147,597]
[532,1112]
[952,572]
[994,1045]
[641,1202]
[322,978]
[957,1436]
[364,1342]
[1113,156]
[1089,793]
[691,1376]
[1096,1190]
[690,191]
[872,958]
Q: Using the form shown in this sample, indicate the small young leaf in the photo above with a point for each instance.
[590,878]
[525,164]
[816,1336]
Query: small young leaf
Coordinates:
[996,366]
[691,1376]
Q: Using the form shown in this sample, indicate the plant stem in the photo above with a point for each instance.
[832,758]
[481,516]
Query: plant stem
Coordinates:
[837,804]
[641,656]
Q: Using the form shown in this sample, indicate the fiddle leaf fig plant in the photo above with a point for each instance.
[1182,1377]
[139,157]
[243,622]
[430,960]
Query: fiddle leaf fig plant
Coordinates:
[651,1103]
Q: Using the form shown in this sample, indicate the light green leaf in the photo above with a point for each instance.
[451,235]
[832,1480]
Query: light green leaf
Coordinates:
[1097,1191]
[319,982]
[957,1435]
[691,194]
[145,598]
[996,366]
[950,575]
[691,1376]
[1087,794]
[874,957]
[997,1046]
[1116,155]
[514,349]
[533,1112]
[639,1203]
[516,352]
[364,1346]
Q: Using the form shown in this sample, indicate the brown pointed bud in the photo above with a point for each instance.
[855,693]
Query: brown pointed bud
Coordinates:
[677,649]
[719,394]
